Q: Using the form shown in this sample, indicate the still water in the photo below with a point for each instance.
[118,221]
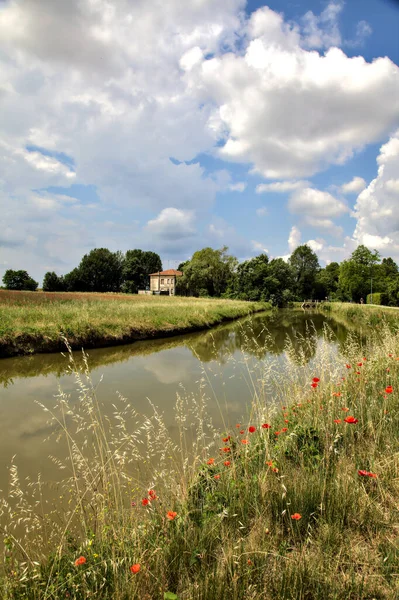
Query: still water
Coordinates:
[154,370]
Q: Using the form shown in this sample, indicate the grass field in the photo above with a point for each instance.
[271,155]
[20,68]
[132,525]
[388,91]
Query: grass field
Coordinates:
[364,315]
[300,501]
[35,321]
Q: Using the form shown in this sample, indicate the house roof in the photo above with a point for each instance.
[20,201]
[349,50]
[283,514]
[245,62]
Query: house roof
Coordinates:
[168,272]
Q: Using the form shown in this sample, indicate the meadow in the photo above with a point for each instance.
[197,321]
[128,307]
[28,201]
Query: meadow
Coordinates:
[300,500]
[37,321]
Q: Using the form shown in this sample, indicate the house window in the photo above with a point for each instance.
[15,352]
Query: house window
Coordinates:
[168,280]
[162,281]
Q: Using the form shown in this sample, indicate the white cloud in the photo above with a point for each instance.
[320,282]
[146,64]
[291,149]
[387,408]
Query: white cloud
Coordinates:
[376,208]
[322,31]
[259,247]
[356,185]
[262,211]
[294,239]
[327,224]
[280,186]
[172,224]
[311,202]
[238,187]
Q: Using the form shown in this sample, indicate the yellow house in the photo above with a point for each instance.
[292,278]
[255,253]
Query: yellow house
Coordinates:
[164,281]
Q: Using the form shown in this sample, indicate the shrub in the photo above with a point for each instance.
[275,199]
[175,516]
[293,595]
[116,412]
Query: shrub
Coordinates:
[378,298]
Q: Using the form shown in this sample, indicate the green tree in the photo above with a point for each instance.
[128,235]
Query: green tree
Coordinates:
[101,271]
[19,280]
[137,267]
[327,281]
[356,273]
[251,276]
[209,273]
[305,266]
[53,283]
[73,281]
[279,284]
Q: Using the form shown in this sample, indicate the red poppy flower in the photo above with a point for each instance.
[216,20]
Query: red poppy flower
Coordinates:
[80,561]
[152,494]
[242,432]
[367,474]
[135,568]
[266,426]
[171,515]
[238,425]
[277,432]
[216,477]
[389,389]
[358,373]
[286,421]
[314,385]
[348,366]
[337,394]
[210,461]
[244,441]
[226,439]
[145,501]
[251,429]
[296,516]
[390,355]
[351,420]
[284,429]
[359,364]
[337,421]
[227,463]
[249,561]
[315,380]
[226,449]
[275,470]
[269,463]
[345,409]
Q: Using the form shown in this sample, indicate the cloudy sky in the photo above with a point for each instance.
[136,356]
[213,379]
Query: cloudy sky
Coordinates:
[171,125]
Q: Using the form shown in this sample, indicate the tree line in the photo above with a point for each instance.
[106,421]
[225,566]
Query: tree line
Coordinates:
[216,273]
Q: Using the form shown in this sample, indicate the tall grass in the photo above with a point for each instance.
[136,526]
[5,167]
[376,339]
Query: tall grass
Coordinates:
[233,494]
[35,321]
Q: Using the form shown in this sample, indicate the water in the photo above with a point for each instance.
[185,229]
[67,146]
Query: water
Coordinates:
[154,370]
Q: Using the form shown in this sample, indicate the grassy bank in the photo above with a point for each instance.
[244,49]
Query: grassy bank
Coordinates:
[300,501]
[35,321]
[365,315]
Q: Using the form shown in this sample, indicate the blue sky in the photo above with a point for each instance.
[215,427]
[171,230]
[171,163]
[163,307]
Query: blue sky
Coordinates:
[144,124]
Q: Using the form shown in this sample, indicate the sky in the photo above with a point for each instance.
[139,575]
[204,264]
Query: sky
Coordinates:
[171,126]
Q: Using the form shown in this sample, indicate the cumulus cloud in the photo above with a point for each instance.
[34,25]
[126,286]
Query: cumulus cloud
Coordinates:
[322,31]
[172,224]
[311,202]
[238,187]
[356,185]
[327,224]
[376,208]
[294,239]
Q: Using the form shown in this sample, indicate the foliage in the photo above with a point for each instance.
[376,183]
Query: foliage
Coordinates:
[19,280]
[209,273]
[356,274]
[378,298]
[326,283]
[305,266]
[137,267]
[101,270]
[53,283]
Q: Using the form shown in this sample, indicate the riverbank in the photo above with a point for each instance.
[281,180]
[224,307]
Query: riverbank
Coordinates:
[33,322]
[298,501]
[366,315]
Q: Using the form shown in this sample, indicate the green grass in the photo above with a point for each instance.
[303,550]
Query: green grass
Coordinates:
[233,536]
[366,315]
[35,322]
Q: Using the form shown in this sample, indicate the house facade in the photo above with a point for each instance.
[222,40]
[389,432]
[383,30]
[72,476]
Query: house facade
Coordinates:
[164,281]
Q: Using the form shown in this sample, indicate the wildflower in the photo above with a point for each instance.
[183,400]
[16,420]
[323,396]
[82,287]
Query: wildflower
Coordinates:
[227,463]
[226,439]
[277,432]
[314,385]
[390,355]
[351,420]
[238,425]
[275,470]
[226,449]
[296,516]
[242,432]
[80,561]
[133,504]
[359,364]
[284,429]
[358,373]
[171,515]
[266,426]
[145,502]
[337,394]
[249,561]
[210,461]
[348,366]
[337,421]
[244,441]
[152,494]
[135,568]
[269,463]
[345,409]
[286,421]
[389,389]
[367,474]
[315,380]
[216,477]
[251,429]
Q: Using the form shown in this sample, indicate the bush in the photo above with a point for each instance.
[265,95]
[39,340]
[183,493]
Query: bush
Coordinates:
[378,298]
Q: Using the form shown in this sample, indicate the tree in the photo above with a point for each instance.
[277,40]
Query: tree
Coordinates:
[305,266]
[19,280]
[327,281]
[251,276]
[137,267]
[73,281]
[356,274]
[209,273]
[53,283]
[101,271]
[279,283]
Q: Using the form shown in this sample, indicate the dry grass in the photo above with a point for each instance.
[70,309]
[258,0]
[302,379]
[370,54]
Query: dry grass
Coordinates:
[35,321]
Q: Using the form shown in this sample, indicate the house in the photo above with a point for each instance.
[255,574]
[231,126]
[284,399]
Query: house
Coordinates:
[164,281]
